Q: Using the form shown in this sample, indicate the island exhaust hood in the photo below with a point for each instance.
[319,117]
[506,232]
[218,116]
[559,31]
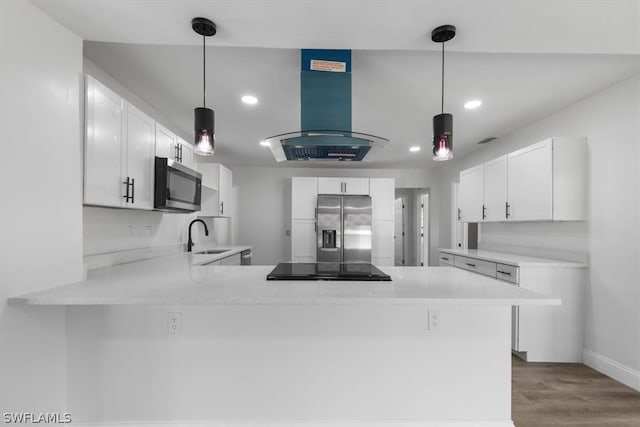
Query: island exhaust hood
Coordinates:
[325,113]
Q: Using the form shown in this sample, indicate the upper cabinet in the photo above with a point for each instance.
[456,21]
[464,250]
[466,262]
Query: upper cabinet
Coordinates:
[542,182]
[353,186]
[217,183]
[173,147]
[304,193]
[471,194]
[119,149]
[530,183]
[495,189]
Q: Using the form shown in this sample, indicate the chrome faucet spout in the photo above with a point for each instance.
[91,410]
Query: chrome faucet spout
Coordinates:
[206,233]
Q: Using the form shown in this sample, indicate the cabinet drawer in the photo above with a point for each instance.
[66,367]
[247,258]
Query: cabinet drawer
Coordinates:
[477,265]
[507,272]
[446,259]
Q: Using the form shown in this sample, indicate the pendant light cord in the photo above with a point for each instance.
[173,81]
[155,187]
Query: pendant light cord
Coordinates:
[204,72]
[442,98]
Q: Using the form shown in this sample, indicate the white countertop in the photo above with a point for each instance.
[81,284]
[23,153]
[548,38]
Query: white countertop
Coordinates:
[517,260]
[173,279]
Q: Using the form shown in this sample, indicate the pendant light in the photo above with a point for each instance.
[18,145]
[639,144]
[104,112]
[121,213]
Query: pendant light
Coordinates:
[443,122]
[203,116]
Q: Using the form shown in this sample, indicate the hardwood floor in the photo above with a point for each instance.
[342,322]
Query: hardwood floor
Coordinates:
[570,394]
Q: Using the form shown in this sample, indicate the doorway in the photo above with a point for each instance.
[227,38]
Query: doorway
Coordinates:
[411,236]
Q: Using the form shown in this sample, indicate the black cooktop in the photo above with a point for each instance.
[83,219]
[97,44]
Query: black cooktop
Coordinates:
[327,271]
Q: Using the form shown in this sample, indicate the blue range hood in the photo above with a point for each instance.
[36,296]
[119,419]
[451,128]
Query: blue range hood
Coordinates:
[325,113]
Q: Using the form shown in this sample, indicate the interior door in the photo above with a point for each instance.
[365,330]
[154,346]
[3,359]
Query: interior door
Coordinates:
[398,235]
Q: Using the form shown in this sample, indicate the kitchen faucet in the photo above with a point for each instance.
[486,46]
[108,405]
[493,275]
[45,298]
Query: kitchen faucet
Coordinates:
[190,242]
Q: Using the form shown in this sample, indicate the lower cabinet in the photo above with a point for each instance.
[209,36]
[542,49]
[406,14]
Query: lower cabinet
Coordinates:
[303,240]
[539,333]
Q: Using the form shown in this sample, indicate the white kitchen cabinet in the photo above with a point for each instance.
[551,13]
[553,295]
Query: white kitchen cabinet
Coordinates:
[104,138]
[185,150]
[352,186]
[140,158]
[542,182]
[330,185]
[304,197]
[530,183]
[382,239]
[303,240]
[119,150]
[471,194]
[382,192]
[495,189]
[548,181]
[217,183]
[166,142]
[539,333]
[173,147]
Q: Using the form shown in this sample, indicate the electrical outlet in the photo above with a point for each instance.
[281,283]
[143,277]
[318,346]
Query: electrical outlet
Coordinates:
[174,323]
[433,320]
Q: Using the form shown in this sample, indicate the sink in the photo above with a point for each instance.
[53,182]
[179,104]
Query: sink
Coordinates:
[212,251]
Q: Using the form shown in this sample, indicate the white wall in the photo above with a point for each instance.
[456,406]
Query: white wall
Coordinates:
[40,200]
[264,204]
[610,119]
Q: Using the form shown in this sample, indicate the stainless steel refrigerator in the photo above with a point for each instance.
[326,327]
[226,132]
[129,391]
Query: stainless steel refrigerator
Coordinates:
[344,228]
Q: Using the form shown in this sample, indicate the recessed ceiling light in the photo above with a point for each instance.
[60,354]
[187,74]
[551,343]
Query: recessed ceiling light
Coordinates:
[249,99]
[475,103]
[414,149]
[265,143]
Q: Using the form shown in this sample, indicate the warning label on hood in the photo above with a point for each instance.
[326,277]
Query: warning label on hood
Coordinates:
[333,66]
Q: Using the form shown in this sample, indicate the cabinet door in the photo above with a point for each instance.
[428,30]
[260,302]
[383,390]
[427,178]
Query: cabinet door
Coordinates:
[140,157]
[495,189]
[303,240]
[304,197]
[530,180]
[356,186]
[104,127]
[165,142]
[210,175]
[186,152]
[471,194]
[382,244]
[382,192]
[331,185]
[224,200]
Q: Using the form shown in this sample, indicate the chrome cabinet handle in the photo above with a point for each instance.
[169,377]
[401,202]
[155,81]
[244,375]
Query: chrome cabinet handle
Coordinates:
[484,209]
[221,208]
[459,214]
[133,190]
[506,212]
[470,265]
[446,259]
[504,272]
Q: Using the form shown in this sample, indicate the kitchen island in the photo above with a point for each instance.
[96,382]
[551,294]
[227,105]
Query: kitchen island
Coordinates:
[432,346]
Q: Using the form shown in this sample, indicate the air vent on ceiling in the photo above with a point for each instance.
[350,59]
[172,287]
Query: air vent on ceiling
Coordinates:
[485,140]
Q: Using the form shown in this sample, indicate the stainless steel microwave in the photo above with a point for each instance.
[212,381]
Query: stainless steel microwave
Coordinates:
[177,188]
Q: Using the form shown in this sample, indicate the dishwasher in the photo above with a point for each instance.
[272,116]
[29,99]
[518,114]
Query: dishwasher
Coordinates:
[245,257]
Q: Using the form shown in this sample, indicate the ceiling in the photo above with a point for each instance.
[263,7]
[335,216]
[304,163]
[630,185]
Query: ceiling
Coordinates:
[524,59]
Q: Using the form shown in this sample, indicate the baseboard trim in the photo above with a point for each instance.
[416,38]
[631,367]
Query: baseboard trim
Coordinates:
[619,372]
[390,423]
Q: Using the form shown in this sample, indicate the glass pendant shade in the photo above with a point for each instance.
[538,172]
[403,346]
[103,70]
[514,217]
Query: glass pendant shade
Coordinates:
[443,137]
[204,131]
